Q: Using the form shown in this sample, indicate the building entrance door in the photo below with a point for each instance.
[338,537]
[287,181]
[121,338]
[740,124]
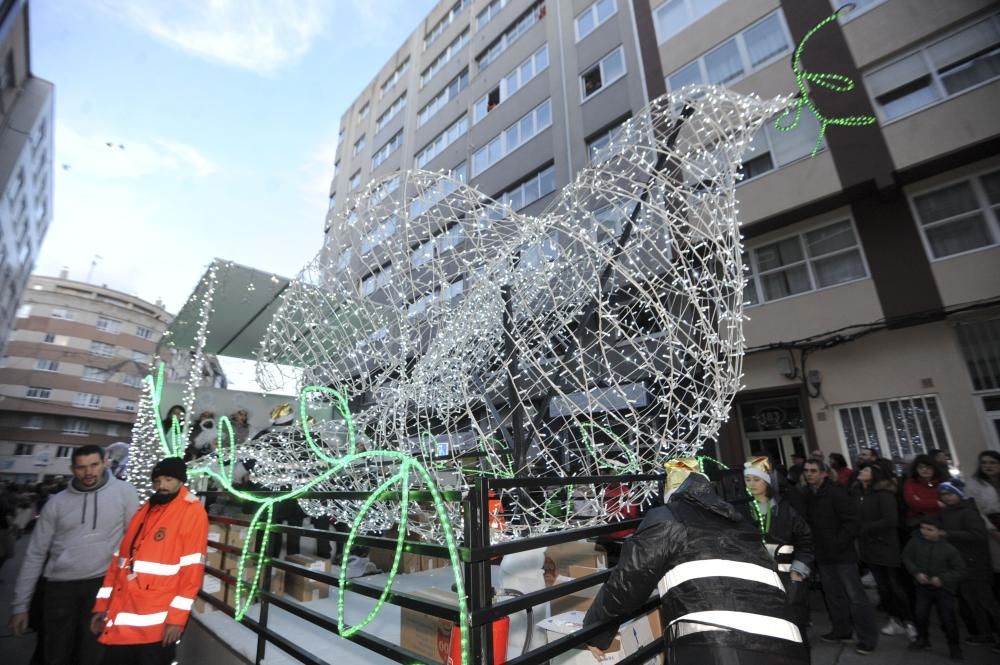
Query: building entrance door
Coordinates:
[773,427]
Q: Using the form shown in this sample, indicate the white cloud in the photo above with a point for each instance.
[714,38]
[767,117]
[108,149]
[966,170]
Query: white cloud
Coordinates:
[92,156]
[260,35]
[317,171]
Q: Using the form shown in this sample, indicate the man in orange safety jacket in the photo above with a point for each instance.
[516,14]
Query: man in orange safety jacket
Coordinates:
[154,577]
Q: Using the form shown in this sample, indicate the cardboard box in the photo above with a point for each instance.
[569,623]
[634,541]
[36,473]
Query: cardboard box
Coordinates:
[303,588]
[632,635]
[214,587]
[559,558]
[582,599]
[237,535]
[427,635]
[277,578]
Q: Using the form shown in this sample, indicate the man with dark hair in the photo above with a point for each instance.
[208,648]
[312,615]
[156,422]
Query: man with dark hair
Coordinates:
[834,522]
[149,588]
[73,541]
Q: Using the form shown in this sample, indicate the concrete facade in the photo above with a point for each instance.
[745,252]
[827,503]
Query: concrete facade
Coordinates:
[26,128]
[874,266]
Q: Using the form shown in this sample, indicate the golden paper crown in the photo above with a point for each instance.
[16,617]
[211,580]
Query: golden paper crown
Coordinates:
[760,462]
[281,411]
[679,469]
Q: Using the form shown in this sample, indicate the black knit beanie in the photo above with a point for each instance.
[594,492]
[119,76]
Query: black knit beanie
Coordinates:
[171,466]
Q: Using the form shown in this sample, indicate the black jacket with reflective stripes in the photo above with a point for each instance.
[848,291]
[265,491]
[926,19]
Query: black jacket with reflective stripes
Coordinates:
[719,588]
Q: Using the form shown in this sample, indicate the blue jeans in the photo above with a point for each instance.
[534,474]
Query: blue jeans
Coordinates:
[847,602]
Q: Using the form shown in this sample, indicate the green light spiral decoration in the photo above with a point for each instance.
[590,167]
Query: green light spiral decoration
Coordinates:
[835,82]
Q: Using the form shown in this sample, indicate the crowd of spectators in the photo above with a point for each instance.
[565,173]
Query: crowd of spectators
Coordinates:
[923,535]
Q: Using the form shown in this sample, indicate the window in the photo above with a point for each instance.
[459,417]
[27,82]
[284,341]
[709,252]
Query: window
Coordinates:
[545,252]
[109,325]
[359,145]
[439,27]
[594,15]
[897,428]
[377,281]
[139,357]
[772,148]
[379,234]
[344,259]
[332,202]
[674,15]
[356,180]
[383,191]
[383,120]
[24,449]
[860,7]
[816,259]
[101,349]
[95,374]
[87,401]
[522,131]
[511,83]
[433,195]
[600,147]
[24,311]
[520,26]
[34,422]
[63,313]
[450,92]
[336,167]
[126,405]
[64,452]
[437,246]
[442,141]
[76,426]
[604,73]
[741,55]
[940,70]
[488,14]
[47,365]
[394,78]
[49,338]
[144,332]
[37,392]
[446,56]
[960,217]
[363,112]
[980,341]
[132,380]
[390,146]
[529,191]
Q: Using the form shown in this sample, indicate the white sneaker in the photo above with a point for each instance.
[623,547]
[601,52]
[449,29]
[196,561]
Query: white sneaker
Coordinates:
[893,627]
[868,581]
[911,631]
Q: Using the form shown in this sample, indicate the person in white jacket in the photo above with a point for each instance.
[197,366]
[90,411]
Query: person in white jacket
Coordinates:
[71,547]
[984,487]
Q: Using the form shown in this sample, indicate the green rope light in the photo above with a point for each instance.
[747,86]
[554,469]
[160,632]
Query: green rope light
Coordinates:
[630,466]
[835,82]
[263,517]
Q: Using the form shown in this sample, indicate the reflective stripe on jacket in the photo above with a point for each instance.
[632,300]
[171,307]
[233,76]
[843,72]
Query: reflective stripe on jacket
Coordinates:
[156,573]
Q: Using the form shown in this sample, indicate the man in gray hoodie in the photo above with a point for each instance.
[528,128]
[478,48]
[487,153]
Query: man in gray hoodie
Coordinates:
[71,546]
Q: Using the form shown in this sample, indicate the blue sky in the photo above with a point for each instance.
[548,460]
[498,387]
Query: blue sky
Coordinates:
[227,111]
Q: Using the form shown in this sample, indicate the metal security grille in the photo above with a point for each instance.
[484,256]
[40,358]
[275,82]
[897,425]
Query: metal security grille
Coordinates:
[897,428]
[980,342]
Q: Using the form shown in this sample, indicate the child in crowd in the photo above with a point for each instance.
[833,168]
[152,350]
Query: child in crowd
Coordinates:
[937,567]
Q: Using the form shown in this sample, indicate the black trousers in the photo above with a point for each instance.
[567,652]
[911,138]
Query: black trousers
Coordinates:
[977,593]
[140,654]
[891,591]
[66,612]
[944,601]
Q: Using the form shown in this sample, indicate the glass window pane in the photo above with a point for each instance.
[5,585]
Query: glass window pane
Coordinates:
[671,17]
[830,239]
[511,136]
[848,427]
[544,116]
[778,254]
[605,8]
[527,126]
[965,45]
[765,40]
[937,424]
[968,74]
[946,202]
[531,191]
[723,64]
[541,60]
[795,143]
[959,235]
[991,183]
[910,97]
[690,75]
[585,23]
[897,75]
[785,282]
[838,268]
[614,66]
[547,181]
[890,432]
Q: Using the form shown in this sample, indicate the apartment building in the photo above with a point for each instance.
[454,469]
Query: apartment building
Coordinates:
[25,160]
[72,373]
[873,267]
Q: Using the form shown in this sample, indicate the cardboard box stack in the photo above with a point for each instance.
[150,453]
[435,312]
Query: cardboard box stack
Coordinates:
[427,635]
[302,588]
